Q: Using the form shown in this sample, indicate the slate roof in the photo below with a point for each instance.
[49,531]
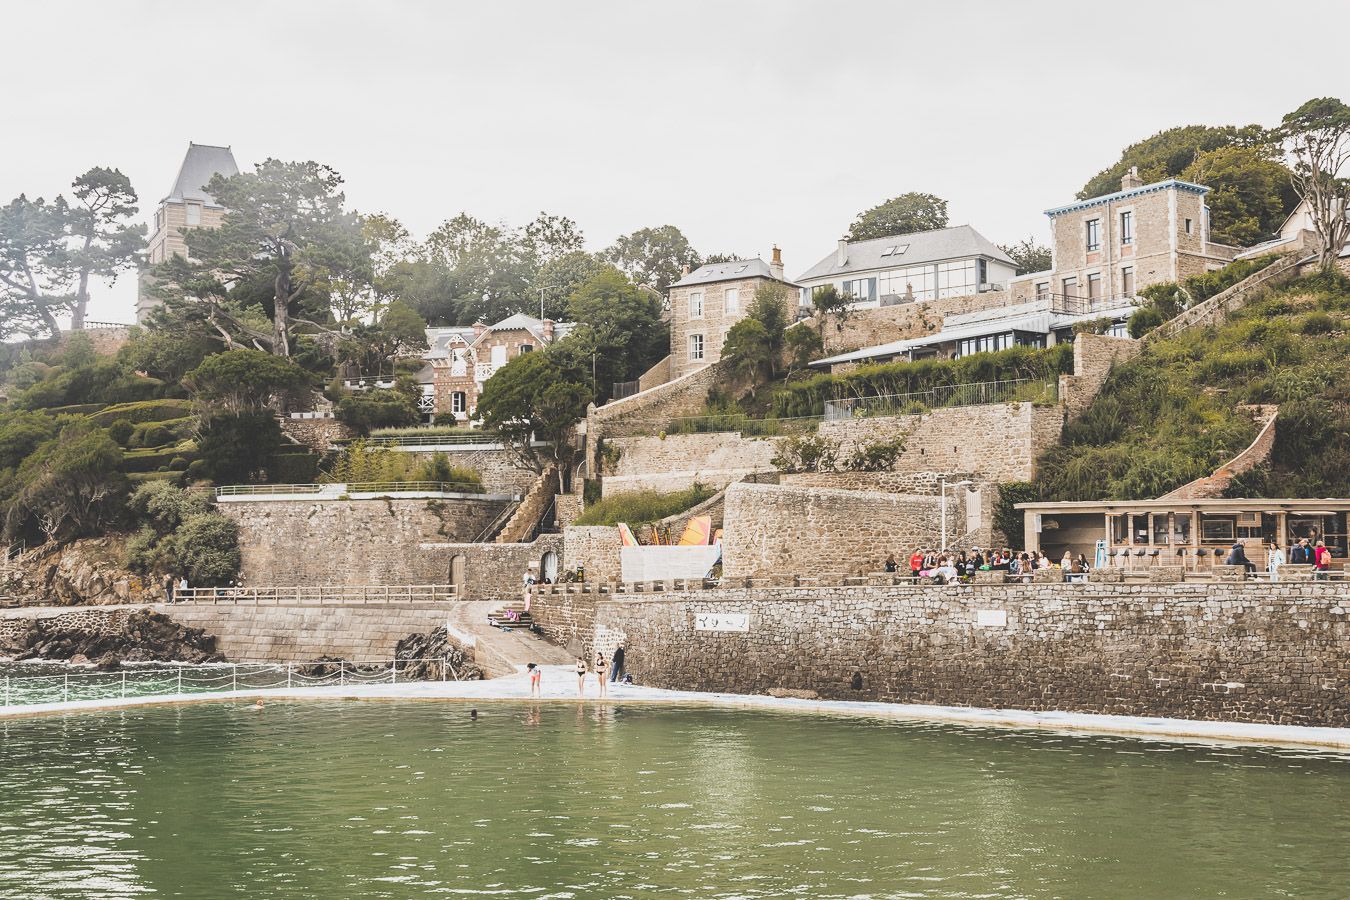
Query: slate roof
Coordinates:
[727,271]
[199,165]
[958,242]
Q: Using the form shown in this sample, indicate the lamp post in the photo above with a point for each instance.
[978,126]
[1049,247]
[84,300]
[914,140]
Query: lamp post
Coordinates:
[943,485]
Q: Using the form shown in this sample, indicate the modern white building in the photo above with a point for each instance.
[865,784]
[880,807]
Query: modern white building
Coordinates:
[926,265]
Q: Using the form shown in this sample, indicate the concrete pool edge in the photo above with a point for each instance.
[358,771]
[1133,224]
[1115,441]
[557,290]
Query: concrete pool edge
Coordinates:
[514,689]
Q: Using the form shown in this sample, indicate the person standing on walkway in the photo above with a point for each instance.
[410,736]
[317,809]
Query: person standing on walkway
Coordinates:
[601,671]
[581,678]
[536,679]
[616,669]
[1274,559]
[168,588]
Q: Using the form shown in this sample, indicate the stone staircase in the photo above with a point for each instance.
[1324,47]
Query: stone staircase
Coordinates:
[510,616]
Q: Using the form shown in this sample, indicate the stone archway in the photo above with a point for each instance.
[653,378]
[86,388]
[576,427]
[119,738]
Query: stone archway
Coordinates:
[458,564]
[548,567]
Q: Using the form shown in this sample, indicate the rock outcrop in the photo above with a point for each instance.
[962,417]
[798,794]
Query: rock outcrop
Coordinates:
[426,650]
[144,636]
[79,573]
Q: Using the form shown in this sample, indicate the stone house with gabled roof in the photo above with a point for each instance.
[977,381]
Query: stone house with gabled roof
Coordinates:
[460,359]
[706,302]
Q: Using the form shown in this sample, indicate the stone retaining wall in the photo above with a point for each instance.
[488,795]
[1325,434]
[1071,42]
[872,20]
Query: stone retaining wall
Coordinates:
[290,542]
[490,571]
[676,461]
[1231,652]
[500,470]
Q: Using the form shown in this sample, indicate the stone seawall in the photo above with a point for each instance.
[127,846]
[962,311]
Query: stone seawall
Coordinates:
[1231,652]
[263,634]
[290,542]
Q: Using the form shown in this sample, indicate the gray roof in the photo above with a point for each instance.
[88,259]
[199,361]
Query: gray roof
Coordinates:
[201,163]
[958,242]
[727,271]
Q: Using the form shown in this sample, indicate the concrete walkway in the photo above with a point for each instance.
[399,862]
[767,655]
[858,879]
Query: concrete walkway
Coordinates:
[560,686]
[502,652]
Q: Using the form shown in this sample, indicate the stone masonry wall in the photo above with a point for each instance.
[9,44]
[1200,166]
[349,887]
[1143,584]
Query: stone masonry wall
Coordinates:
[499,469]
[596,547]
[883,324]
[775,530]
[1233,652]
[491,571]
[675,462]
[289,542]
[1094,355]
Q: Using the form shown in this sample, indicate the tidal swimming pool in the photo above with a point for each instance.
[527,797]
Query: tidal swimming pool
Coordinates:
[415,799]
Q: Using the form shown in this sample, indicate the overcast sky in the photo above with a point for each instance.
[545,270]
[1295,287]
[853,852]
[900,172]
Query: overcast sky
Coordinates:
[743,123]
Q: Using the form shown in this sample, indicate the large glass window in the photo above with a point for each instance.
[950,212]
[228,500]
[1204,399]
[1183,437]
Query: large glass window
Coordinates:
[985,344]
[1120,530]
[861,290]
[1218,529]
[1118,329]
[1094,234]
[1160,529]
[1126,228]
[957,279]
[1181,528]
[919,279]
[731,300]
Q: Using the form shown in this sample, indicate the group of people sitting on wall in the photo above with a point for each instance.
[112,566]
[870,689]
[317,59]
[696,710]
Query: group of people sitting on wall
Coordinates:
[1306,552]
[959,567]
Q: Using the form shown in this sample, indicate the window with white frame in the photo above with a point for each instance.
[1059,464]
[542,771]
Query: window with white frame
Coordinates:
[731,301]
[459,402]
[695,347]
[919,279]
[860,289]
[1126,228]
[957,279]
[696,305]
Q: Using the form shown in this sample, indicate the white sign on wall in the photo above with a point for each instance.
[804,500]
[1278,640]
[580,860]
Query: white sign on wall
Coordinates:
[991,618]
[722,622]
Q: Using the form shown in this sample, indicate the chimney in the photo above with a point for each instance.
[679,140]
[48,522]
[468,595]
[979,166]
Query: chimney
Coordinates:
[1131,180]
[843,251]
[776,263]
[684,270]
[548,331]
[478,329]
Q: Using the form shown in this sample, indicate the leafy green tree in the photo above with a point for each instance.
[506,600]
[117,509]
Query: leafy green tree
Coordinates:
[163,354]
[748,352]
[904,214]
[1028,255]
[488,270]
[652,256]
[559,278]
[34,274]
[21,433]
[284,232]
[206,548]
[1317,136]
[1168,153]
[399,332]
[802,346]
[105,240]
[239,380]
[378,409]
[69,486]
[236,444]
[620,323]
[1252,192]
[830,306]
[532,398]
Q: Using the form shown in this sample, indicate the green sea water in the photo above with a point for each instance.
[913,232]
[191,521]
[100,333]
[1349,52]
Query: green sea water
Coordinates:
[415,799]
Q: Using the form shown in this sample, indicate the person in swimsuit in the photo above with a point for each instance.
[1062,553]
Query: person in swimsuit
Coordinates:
[535,679]
[581,677]
[601,671]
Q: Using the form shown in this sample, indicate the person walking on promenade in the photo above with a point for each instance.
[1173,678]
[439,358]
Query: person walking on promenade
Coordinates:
[1321,561]
[168,588]
[536,677]
[616,669]
[601,674]
[915,564]
[581,678]
[1274,559]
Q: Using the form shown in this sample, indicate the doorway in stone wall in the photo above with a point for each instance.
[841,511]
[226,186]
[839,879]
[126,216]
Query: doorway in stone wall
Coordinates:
[548,567]
[457,566]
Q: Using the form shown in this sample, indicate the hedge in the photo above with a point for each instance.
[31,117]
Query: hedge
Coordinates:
[78,409]
[293,468]
[151,459]
[143,411]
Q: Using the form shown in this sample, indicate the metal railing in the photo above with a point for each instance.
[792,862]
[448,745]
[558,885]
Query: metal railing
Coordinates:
[1076,305]
[978,393]
[357,487]
[319,594]
[738,422]
[430,439]
[222,678]
[623,389]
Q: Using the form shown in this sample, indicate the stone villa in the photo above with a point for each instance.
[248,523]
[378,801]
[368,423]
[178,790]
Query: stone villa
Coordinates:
[187,205]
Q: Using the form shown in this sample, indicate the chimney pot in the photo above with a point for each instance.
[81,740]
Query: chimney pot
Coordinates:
[684,269]
[1131,179]
[843,251]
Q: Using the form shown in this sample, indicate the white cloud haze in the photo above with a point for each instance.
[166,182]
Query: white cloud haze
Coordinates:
[743,123]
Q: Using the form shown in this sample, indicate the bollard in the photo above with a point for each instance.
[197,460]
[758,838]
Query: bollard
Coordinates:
[288,674]
[124,685]
[234,677]
[442,668]
[180,679]
[342,673]
[65,688]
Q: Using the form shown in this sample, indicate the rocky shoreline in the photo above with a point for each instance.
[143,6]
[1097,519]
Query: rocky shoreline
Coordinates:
[145,636]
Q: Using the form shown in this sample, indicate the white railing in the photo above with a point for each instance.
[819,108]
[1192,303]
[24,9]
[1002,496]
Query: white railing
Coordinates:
[340,489]
[483,371]
[223,678]
[320,594]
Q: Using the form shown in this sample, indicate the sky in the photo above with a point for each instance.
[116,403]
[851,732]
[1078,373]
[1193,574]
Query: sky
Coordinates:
[744,123]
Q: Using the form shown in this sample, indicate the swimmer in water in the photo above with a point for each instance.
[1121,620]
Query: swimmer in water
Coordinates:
[257,704]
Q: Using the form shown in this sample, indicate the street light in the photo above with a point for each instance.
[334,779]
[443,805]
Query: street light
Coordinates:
[943,485]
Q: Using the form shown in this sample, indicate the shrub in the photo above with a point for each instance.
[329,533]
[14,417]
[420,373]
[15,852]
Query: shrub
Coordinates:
[875,456]
[643,507]
[1317,322]
[238,445]
[378,409]
[120,431]
[206,547]
[1145,319]
[197,470]
[293,468]
[1007,518]
[143,411]
[178,464]
[151,434]
[806,453]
